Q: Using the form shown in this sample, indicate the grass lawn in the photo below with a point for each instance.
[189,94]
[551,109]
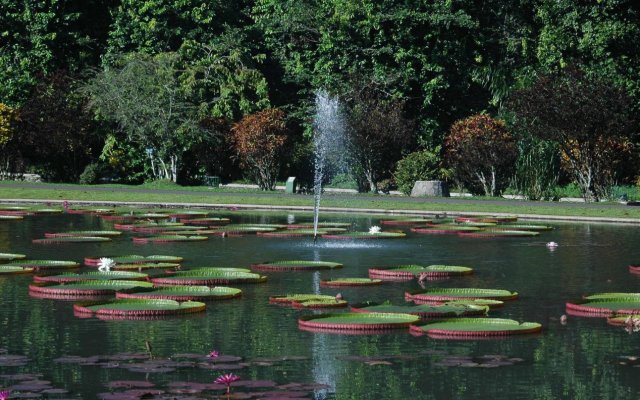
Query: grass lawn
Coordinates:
[203,195]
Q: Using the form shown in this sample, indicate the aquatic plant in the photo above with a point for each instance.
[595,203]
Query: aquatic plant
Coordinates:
[4,395]
[106,264]
[227,379]
[213,354]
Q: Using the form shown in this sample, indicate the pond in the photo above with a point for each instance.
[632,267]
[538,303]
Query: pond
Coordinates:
[577,359]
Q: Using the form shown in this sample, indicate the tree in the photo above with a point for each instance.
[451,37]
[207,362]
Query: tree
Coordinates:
[419,166]
[143,96]
[56,135]
[378,135]
[8,121]
[259,141]
[588,118]
[482,154]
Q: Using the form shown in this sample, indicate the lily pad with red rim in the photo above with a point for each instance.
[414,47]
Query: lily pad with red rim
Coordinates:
[447,294]
[85,288]
[475,327]
[295,265]
[13,270]
[308,301]
[181,293]
[134,259]
[604,306]
[405,221]
[138,307]
[11,256]
[406,272]
[209,276]
[142,267]
[444,229]
[498,233]
[339,282]
[168,239]
[210,221]
[424,311]
[358,321]
[82,233]
[94,275]
[11,217]
[365,235]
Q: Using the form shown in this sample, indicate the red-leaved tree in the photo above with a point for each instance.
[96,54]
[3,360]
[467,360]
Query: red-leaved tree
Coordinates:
[482,154]
[259,141]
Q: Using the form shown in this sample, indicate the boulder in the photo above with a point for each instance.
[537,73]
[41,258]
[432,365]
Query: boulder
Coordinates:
[430,188]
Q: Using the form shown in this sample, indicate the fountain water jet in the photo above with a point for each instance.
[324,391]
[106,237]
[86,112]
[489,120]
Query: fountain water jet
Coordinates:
[328,139]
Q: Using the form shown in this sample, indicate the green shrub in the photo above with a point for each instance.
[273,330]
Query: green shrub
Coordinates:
[91,174]
[537,169]
[419,166]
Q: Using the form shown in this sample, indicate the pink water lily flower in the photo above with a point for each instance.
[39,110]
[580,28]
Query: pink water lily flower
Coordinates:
[227,379]
[213,354]
[4,395]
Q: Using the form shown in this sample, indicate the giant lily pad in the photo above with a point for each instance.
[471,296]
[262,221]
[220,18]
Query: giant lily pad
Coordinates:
[446,294]
[293,233]
[296,265]
[475,327]
[71,239]
[147,227]
[247,228]
[634,269]
[186,214]
[498,233]
[181,293]
[11,256]
[443,229]
[365,235]
[95,275]
[85,288]
[169,239]
[406,272]
[44,264]
[133,259]
[210,221]
[406,221]
[13,270]
[82,233]
[308,301]
[605,306]
[321,225]
[357,321]
[10,217]
[350,282]
[164,228]
[145,266]
[424,311]
[209,276]
[523,227]
[138,307]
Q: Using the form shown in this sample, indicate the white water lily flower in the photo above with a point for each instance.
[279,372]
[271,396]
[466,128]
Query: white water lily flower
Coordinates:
[106,264]
[374,229]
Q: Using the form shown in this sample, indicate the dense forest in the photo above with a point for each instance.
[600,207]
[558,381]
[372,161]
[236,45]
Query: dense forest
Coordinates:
[489,95]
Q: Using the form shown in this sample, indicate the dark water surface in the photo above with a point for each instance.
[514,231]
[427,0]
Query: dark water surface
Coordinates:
[578,360]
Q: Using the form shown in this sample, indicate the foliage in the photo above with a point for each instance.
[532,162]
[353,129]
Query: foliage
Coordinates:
[259,141]
[143,96]
[91,174]
[589,119]
[379,134]
[482,154]
[203,156]
[40,37]
[126,161]
[8,121]
[537,168]
[419,166]
[56,134]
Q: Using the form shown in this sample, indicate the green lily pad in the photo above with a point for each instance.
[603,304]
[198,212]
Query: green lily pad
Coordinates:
[357,321]
[605,306]
[71,239]
[13,270]
[85,288]
[181,293]
[406,221]
[11,256]
[214,221]
[247,228]
[39,265]
[350,282]
[612,295]
[365,235]
[523,227]
[94,275]
[424,310]
[209,276]
[446,294]
[295,265]
[169,239]
[495,233]
[308,301]
[144,266]
[138,307]
[405,272]
[82,233]
[11,217]
[133,259]
[293,233]
[444,229]
[476,327]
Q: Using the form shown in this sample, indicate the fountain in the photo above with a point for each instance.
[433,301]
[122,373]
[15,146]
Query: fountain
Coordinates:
[328,138]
